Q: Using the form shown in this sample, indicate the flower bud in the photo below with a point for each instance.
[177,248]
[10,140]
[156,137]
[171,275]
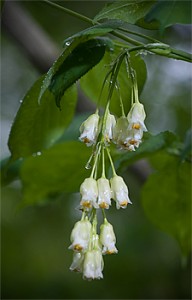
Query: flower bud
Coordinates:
[119,192]
[89,130]
[109,126]
[107,238]
[89,193]
[80,235]
[104,193]
[77,263]
[93,265]
[120,132]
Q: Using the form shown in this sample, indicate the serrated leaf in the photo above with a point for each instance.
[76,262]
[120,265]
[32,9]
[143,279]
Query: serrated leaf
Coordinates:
[38,126]
[166,200]
[66,58]
[170,12]
[92,83]
[78,63]
[129,11]
[59,169]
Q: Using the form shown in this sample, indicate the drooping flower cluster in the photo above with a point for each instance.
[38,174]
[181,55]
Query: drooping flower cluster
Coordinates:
[98,192]
[89,247]
[126,132]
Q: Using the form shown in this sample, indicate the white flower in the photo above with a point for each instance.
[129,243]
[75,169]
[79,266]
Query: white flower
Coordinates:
[89,130]
[119,192]
[120,132]
[80,235]
[95,242]
[136,117]
[93,265]
[137,113]
[109,126]
[104,193]
[77,264]
[107,238]
[89,193]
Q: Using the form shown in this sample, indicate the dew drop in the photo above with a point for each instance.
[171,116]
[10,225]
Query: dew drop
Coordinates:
[67,44]
[88,166]
[38,153]
[21,101]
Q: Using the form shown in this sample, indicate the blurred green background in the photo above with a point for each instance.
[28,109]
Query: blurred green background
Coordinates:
[35,258]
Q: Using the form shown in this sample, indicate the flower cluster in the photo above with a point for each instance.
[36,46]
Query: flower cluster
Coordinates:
[98,192]
[89,247]
[126,132]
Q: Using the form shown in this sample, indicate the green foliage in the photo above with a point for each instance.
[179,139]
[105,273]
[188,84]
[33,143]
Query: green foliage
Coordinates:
[38,126]
[166,198]
[59,169]
[94,31]
[79,62]
[48,169]
[129,11]
[151,145]
[92,82]
[170,12]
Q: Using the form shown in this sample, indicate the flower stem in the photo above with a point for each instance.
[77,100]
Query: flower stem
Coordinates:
[95,162]
[140,35]
[103,162]
[157,48]
[111,162]
[104,215]
[70,12]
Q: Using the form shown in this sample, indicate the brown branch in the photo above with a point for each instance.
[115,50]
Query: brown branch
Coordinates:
[34,41]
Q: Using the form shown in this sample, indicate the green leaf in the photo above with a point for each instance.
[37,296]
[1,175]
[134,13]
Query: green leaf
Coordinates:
[170,12]
[78,63]
[59,169]
[166,199]
[186,152]
[38,126]
[92,83]
[150,145]
[129,11]
[94,31]
[78,56]
[9,170]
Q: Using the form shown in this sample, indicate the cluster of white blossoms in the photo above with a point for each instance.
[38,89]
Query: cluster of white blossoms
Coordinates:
[126,132]
[98,192]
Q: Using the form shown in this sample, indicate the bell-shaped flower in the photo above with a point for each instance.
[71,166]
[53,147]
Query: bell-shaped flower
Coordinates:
[104,193]
[120,132]
[89,130]
[109,127]
[93,265]
[107,238]
[136,117]
[119,191]
[77,263]
[89,193]
[80,235]
[133,139]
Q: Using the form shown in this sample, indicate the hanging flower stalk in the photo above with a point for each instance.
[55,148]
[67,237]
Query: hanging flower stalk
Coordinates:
[97,191]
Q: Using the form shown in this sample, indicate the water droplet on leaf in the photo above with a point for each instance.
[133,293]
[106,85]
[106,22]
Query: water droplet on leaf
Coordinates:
[67,44]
